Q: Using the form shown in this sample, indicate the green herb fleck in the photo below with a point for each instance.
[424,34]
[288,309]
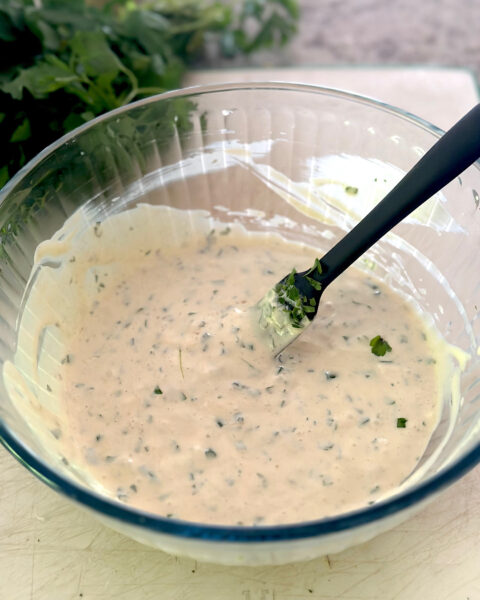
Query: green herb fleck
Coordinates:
[157,390]
[380,346]
[401,423]
[316,267]
[351,190]
[314,283]
[209,453]
[97,229]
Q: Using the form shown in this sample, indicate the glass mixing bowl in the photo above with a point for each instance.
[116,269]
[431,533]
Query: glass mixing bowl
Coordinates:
[307,162]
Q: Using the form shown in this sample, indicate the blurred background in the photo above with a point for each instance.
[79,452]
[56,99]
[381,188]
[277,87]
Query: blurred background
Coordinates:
[379,32]
[63,62]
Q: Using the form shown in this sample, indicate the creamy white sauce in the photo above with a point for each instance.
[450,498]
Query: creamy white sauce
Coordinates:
[159,394]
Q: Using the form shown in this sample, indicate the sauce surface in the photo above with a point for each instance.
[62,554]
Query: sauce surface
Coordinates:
[173,406]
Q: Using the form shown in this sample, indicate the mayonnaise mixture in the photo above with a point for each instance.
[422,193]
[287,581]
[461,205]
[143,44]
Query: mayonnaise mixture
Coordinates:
[172,405]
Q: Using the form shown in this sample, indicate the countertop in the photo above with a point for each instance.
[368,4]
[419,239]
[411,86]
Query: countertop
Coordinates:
[360,32]
[53,550]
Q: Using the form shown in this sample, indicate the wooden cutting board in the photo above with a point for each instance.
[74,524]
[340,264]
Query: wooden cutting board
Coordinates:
[52,550]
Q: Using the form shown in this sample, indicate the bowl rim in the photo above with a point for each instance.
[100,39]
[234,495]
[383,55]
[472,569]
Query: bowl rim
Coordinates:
[228,533]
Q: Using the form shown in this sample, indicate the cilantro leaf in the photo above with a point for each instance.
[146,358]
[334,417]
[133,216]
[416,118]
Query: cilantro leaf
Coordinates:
[380,346]
[22,132]
[91,51]
[40,80]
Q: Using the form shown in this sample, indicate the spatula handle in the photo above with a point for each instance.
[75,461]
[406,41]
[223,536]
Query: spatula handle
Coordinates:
[451,155]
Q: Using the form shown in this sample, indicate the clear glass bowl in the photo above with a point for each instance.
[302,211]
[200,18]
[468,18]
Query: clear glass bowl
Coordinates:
[272,156]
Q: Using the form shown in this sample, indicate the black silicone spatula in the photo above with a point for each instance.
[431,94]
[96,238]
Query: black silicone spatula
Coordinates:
[289,307]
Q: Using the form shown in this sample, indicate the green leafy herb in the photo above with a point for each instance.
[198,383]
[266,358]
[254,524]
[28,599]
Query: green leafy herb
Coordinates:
[316,267]
[64,62]
[210,453]
[330,375]
[297,304]
[380,346]
[157,390]
[352,191]
[401,423]
[314,283]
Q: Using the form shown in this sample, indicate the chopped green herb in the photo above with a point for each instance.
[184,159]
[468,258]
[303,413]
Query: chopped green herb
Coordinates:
[330,375]
[401,423]
[380,346]
[298,305]
[314,283]
[351,190]
[293,302]
[316,267]
[209,453]
[157,390]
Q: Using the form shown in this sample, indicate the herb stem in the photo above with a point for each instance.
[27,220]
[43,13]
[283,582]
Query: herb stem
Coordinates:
[180,362]
[142,90]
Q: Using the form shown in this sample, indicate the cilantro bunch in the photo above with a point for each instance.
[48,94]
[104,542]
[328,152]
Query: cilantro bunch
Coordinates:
[63,62]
